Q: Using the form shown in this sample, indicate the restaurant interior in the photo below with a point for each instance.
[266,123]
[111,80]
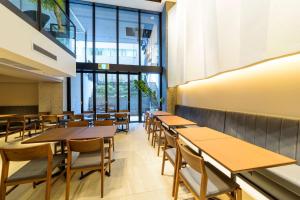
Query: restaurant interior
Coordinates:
[150,99]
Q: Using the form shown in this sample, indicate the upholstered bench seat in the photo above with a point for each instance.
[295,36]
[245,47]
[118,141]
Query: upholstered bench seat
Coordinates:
[287,176]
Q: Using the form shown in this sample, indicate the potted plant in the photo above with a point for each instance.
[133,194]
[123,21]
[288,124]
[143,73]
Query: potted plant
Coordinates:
[145,89]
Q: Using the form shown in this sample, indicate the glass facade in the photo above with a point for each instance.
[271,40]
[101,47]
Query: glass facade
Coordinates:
[121,36]
[82,16]
[150,39]
[128,37]
[106,33]
[152,81]
[88,92]
[76,93]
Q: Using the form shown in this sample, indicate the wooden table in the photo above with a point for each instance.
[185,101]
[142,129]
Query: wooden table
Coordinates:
[193,134]
[64,134]
[7,116]
[234,154]
[174,121]
[159,113]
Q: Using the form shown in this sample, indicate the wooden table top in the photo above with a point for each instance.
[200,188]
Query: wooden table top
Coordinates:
[159,113]
[201,133]
[239,156]
[174,120]
[63,134]
[7,115]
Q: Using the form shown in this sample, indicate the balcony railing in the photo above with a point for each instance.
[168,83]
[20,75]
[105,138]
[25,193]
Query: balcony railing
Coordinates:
[50,19]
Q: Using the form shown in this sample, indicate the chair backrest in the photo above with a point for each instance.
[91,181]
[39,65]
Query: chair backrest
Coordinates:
[78,117]
[78,124]
[121,115]
[156,125]
[124,111]
[104,123]
[195,162]
[15,120]
[50,118]
[170,139]
[103,116]
[27,153]
[85,146]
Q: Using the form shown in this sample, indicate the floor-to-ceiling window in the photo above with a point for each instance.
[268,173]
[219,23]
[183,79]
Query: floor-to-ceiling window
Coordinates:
[105,37]
[150,39]
[128,37]
[125,39]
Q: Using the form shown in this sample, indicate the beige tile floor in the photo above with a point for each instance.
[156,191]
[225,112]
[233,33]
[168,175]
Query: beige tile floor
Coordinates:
[135,175]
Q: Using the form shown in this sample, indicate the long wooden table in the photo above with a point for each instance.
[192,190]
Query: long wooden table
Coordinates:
[174,121]
[159,113]
[64,134]
[234,154]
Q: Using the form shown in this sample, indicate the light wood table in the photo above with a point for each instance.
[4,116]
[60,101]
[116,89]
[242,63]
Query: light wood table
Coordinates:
[174,121]
[193,134]
[239,156]
[7,116]
[64,134]
[159,113]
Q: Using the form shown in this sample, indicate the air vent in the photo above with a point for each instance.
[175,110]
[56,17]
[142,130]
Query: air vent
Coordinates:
[44,52]
[11,63]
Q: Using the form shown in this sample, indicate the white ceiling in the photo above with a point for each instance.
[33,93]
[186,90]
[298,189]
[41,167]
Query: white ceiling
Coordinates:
[139,4]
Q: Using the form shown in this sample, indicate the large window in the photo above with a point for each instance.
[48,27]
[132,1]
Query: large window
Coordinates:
[114,92]
[106,41]
[121,36]
[88,92]
[128,37]
[150,39]
[82,16]
[153,82]
[123,91]
[76,93]
[100,93]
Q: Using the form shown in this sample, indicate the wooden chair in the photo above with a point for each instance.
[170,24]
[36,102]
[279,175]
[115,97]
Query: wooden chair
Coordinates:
[169,154]
[49,121]
[150,128]
[18,124]
[39,168]
[147,121]
[202,179]
[106,123]
[122,119]
[78,117]
[91,157]
[78,124]
[104,116]
[157,135]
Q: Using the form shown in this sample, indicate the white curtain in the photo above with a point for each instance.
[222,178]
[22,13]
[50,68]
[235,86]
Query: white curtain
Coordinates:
[206,37]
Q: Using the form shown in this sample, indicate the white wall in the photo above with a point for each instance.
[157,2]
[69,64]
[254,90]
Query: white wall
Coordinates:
[212,36]
[16,44]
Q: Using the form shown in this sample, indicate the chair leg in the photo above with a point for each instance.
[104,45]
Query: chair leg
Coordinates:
[102,182]
[113,143]
[176,188]
[48,188]
[3,190]
[163,164]
[68,179]
[6,136]
[238,194]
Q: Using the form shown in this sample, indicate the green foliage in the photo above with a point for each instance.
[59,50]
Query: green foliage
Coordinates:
[50,4]
[146,90]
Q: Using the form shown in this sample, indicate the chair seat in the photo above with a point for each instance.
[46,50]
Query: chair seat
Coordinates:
[35,169]
[218,183]
[87,160]
[171,153]
[287,176]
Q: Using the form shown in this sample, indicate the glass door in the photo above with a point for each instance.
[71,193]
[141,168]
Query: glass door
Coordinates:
[123,92]
[134,99]
[100,93]
[111,92]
